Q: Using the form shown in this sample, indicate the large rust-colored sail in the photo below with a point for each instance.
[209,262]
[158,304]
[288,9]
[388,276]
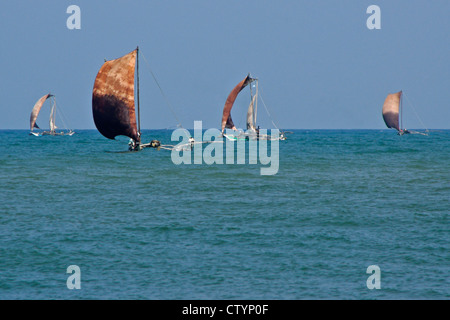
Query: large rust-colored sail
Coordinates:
[227,122]
[113,98]
[36,109]
[391,110]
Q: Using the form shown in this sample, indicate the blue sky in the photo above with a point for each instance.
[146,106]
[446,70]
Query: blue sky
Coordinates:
[319,66]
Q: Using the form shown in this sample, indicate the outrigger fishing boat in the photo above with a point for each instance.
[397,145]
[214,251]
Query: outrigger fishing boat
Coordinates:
[253,131]
[113,101]
[35,113]
[393,114]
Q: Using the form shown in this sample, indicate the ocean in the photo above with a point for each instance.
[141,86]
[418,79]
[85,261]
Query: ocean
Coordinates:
[140,227]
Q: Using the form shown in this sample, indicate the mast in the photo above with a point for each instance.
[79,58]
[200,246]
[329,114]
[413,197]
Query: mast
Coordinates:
[256,103]
[138,107]
[253,107]
[401,111]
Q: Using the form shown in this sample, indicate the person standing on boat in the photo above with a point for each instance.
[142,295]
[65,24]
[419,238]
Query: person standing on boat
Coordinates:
[131,145]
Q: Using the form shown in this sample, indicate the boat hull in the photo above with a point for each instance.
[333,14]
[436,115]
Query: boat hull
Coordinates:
[50,133]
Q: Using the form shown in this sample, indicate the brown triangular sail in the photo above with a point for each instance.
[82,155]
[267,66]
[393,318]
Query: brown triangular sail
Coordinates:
[36,109]
[391,110]
[113,98]
[227,122]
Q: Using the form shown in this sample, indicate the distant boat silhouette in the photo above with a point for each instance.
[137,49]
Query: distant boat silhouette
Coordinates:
[35,113]
[393,113]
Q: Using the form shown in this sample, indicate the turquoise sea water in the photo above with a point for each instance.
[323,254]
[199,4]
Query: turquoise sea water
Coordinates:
[140,227]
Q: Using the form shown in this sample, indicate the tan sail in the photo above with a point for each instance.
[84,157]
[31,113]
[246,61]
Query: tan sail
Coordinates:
[113,98]
[36,109]
[391,108]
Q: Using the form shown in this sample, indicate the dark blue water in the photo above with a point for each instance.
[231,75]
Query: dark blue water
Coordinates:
[140,227]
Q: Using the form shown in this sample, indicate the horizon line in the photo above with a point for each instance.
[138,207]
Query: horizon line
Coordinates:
[387,129]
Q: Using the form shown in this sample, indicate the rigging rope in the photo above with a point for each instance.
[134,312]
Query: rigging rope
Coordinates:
[60,113]
[162,92]
[267,110]
[415,112]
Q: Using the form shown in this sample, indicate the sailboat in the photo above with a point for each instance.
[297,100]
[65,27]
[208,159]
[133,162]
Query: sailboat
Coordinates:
[113,101]
[35,113]
[252,130]
[393,113]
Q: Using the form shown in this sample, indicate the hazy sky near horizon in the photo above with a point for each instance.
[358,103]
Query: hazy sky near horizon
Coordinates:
[319,66]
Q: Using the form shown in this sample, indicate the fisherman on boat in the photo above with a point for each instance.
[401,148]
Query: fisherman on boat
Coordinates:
[132,145]
[402,132]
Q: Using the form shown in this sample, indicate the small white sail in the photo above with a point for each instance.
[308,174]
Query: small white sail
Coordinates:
[52,118]
[250,114]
